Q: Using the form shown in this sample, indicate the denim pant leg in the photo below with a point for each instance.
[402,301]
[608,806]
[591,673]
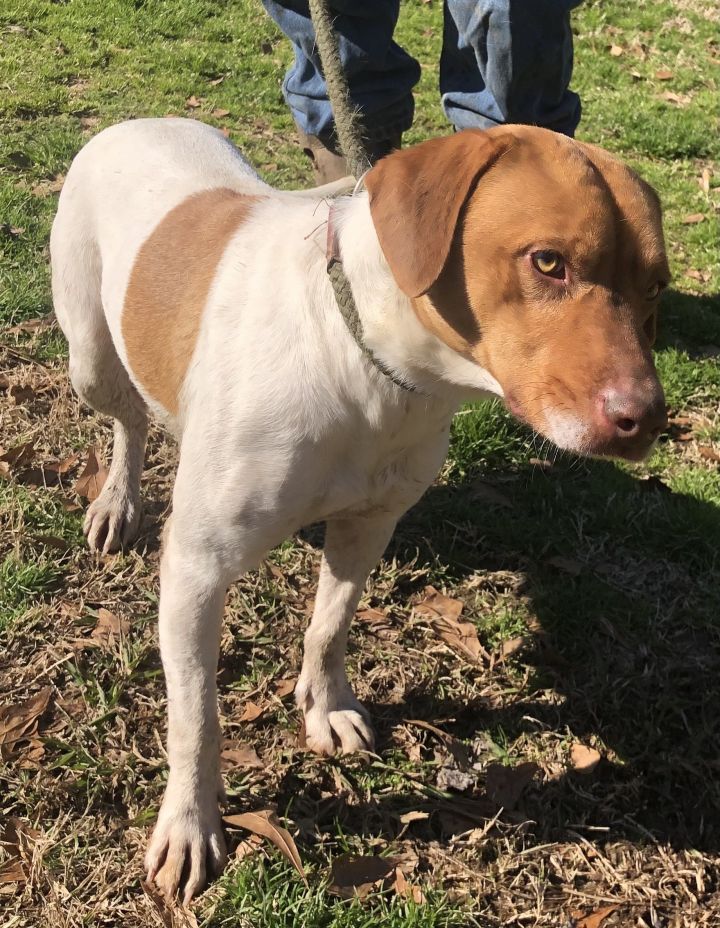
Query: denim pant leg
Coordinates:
[508,61]
[380,74]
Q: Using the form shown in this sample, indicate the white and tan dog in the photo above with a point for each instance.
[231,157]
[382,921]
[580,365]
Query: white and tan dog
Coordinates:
[514,263]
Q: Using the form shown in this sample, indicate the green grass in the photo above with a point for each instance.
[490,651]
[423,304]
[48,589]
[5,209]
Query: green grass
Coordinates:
[607,571]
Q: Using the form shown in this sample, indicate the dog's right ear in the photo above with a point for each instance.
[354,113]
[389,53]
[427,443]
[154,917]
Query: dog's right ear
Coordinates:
[416,196]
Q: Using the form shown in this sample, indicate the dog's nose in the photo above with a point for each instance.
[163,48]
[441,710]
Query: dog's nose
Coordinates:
[634,411]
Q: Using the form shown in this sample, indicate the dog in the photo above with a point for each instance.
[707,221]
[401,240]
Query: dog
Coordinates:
[514,263]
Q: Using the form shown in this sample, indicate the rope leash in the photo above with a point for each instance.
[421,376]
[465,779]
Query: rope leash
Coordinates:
[348,128]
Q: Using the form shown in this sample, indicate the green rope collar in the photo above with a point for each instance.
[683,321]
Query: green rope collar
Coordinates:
[348,310]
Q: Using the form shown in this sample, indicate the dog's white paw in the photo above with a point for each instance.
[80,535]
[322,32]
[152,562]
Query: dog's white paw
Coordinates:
[112,519]
[186,849]
[335,724]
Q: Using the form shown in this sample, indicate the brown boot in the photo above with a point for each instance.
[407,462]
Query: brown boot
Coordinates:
[329,166]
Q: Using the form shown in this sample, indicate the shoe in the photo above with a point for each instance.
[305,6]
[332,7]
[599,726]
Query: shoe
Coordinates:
[330,166]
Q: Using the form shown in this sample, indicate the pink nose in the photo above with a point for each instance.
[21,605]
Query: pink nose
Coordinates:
[635,411]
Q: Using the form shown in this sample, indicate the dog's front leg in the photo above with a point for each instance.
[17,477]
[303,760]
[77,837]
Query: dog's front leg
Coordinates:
[188,838]
[334,719]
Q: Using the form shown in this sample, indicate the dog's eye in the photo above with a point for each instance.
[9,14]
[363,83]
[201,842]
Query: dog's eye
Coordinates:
[549,263]
[654,291]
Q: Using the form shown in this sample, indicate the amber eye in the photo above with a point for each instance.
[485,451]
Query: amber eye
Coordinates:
[549,263]
[654,291]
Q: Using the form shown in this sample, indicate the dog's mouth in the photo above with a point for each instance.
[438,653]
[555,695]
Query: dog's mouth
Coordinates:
[613,424]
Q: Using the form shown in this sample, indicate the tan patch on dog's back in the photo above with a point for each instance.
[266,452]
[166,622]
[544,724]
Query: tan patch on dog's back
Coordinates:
[169,286]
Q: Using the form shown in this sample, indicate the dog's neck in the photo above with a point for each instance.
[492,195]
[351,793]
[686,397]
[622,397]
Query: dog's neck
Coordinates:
[391,328]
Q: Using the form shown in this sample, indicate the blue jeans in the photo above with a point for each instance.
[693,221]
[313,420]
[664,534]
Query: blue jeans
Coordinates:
[502,61]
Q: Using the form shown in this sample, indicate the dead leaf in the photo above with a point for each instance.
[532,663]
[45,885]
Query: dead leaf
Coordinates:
[511,646]
[409,890]
[583,758]
[13,871]
[704,181]
[702,276]
[220,113]
[284,687]
[663,74]
[266,823]
[567,564]
[692,219]
[505,785]
[408,817]
[18,722]
[616,50]
[353,875]
[19,456]
[443,613]
[480,489]
[194,102]
[596,918]
[710,454]
[91,481]
[21,394]
[62,467]
[238,754]
[679,99]
[217,80]
[108,627]
[251,712]
[46,187]
[459,751]
[371,616]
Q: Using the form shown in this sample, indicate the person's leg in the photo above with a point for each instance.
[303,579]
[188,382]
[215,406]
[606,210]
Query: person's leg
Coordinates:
[508,61]
[380,74]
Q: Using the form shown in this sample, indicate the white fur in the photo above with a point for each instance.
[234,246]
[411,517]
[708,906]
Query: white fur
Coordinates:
[282,422]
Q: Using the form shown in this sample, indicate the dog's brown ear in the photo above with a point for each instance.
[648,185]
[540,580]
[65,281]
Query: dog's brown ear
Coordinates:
[416,196]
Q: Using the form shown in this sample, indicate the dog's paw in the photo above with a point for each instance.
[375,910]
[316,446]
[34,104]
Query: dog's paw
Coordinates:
[112,519]
[339,725]
[186,849]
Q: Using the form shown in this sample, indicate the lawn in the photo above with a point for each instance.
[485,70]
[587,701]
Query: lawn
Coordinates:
[565,772]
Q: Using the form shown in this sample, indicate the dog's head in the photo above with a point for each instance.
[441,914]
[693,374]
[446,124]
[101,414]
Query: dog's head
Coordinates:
[541,259]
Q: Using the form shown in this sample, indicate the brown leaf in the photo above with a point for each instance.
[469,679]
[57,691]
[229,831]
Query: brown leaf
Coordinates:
[109,626]
[679,99]
[702,276]
[704,181]
[19,456]
[596,918]
[238,754]
[458,750]
[193,102]
[353,875]
[217,80]
[251,712]
[91,481]
[511,646]
[480,489]
[46,187]
[710,454]
[372,616]
[664,75]
[62,467]
[284,687]
[220,113]
[692,219]
[13,871]
[567,564]
[409,890]
[616,50]
[505,785]
[443,613]
[408,817]
[266,823]
[18,722]
[21,394]
[583,758]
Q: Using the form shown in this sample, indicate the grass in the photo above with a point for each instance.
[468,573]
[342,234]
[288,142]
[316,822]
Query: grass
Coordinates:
[602,579]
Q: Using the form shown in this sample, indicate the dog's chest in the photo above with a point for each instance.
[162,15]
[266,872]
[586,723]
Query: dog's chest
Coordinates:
[386,468]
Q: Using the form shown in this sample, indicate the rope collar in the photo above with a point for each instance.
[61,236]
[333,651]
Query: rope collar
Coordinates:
[346,302]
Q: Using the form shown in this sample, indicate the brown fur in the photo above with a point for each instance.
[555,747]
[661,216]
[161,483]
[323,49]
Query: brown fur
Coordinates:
[517,190]
[169,286]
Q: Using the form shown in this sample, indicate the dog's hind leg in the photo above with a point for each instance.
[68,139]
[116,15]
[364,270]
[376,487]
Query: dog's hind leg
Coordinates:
[334,719]
[100,380]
